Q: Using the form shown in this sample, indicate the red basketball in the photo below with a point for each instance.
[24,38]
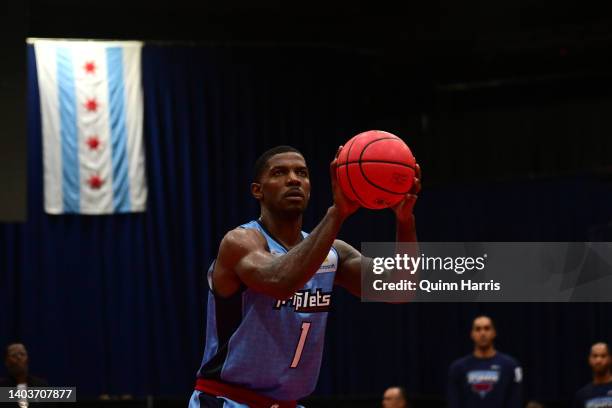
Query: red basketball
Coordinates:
[376,169]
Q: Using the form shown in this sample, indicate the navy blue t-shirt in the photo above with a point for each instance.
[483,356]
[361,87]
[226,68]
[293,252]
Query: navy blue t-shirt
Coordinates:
[594,396]
[485,382]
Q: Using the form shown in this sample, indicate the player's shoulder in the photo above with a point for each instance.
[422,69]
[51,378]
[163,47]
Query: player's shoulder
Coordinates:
[239,233]
[344,250]
[461,363]
[508,359]
[340,244]
[241,238]
[585,391]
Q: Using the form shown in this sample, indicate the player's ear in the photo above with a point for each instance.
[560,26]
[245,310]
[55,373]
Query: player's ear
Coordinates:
[256,191]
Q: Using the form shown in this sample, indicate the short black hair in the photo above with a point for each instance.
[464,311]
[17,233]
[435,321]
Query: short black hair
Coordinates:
[262,161]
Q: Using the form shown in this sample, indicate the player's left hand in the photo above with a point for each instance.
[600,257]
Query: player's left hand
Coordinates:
[403,210]
[341,201]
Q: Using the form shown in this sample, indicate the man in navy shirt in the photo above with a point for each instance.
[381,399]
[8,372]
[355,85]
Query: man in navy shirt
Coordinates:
[597,394]
[486,378]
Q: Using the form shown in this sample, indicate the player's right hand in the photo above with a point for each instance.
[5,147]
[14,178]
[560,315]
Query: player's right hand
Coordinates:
[344,205]
[403,209]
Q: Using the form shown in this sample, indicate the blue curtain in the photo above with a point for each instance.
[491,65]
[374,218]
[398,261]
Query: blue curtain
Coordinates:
[116,303]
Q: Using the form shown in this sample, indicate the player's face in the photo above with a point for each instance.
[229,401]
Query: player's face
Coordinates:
[285,184]
[599,359]
[393,399]
[16,358]
[483,332]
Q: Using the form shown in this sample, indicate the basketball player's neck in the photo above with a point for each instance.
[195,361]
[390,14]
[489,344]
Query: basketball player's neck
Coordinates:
[284,228]
[602,378]
[484,352]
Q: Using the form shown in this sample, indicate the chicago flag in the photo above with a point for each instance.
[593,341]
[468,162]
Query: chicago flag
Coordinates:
[92,119]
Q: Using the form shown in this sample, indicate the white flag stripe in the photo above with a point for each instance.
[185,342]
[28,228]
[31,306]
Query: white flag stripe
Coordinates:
[94,162]
[134,121]
[52,146]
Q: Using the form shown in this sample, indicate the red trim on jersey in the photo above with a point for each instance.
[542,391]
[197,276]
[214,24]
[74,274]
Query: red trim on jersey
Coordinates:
[241,395]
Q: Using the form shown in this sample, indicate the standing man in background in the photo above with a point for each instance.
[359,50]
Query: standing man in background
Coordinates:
[17,366]
[485,378]
[597,393]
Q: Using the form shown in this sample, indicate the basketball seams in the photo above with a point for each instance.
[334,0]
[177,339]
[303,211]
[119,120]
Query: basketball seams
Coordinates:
[348,176]
[380,187]
[363,150]
[358,178]
[378,161]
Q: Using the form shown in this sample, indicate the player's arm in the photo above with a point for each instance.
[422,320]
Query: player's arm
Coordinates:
[405,226]
[349,271]
[243,257]
[348,274]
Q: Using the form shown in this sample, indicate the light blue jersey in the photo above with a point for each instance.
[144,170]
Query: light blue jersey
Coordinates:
[269,346]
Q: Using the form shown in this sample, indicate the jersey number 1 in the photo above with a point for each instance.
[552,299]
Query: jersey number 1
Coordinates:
[300,345]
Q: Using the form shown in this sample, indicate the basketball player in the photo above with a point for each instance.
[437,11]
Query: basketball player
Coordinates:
[486,378]
[271,289]
[599,392]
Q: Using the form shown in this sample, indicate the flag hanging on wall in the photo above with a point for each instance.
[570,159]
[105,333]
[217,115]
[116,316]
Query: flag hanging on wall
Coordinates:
[92,120]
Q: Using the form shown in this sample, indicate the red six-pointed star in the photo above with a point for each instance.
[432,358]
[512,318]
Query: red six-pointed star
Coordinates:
[93,142]
[90,67]
[91,105]
[95,181]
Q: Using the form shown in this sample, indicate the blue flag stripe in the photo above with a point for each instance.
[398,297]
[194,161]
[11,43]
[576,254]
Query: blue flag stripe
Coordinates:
[71,183]
[118,130]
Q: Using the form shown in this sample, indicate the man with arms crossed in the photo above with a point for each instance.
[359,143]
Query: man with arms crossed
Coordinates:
[271,288]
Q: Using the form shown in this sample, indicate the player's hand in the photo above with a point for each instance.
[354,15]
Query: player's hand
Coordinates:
[403,210]
[345,206]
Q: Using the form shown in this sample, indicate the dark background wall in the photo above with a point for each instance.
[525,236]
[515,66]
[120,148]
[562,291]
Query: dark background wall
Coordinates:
[505,106]
[14,23]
